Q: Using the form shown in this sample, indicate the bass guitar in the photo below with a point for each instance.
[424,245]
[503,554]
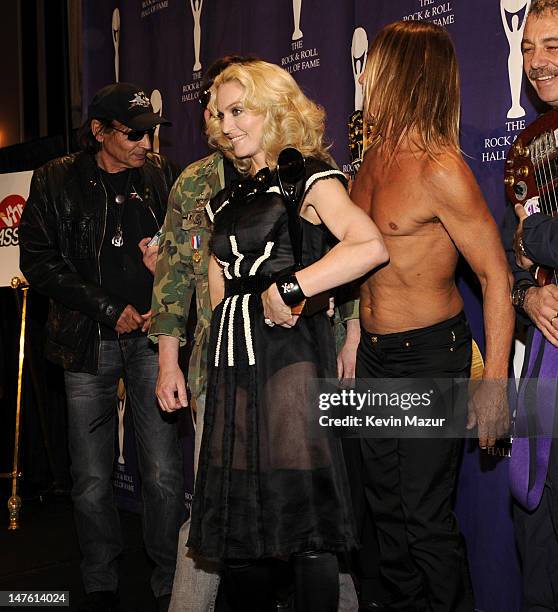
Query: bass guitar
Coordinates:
[531,174]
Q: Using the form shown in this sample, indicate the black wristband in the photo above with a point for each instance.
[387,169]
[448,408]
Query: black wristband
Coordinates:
[289,289]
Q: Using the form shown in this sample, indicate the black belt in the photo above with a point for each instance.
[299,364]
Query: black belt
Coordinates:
[248,284]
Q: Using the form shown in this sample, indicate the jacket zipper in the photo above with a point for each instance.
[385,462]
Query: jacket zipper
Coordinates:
[142,200]
[154,217]
[99,269]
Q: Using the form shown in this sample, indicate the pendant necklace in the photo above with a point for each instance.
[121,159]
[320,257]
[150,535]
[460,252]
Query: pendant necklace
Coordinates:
[120,200]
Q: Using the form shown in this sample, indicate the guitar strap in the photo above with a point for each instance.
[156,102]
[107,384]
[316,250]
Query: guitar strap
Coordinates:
[534,423]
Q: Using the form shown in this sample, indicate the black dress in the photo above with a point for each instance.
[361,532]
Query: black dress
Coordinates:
[265,487]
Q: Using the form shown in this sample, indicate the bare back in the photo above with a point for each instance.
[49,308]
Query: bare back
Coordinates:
[417,287]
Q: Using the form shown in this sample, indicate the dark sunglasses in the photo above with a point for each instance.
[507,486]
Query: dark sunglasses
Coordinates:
[136,135]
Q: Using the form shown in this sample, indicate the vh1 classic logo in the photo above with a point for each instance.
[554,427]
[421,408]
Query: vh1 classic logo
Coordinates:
[11,209]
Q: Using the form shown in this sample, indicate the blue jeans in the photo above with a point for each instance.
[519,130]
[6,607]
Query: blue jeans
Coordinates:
[92,425]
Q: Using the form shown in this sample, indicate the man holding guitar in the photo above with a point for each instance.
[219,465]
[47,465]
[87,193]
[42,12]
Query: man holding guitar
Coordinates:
[536,240]
[531,188]
[420,192]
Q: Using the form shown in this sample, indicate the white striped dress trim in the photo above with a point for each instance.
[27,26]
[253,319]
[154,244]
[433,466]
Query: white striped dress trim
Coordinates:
[230,331]
[239,255]
[212,214]
[247,330]
[261,259]
[225,265]
[229,307]
[321,175]
[220,335]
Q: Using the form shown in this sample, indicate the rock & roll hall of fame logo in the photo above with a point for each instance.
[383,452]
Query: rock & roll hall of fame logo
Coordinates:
[359,52]
[300,58]
[497,143]
[190,89]
[196,6]
[514,15]
[157,104]
[116,43]
[121,409]
[297,32]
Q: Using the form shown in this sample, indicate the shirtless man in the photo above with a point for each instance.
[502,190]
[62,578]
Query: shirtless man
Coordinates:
[423,197]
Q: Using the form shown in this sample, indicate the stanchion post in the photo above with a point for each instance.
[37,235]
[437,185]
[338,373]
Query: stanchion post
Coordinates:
[14,503]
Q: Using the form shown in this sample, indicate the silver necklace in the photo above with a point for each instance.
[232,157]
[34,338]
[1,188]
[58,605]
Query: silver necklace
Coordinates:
[118,239]
[120,200]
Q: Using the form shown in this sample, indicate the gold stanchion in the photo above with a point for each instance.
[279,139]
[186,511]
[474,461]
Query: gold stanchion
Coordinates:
[14,503]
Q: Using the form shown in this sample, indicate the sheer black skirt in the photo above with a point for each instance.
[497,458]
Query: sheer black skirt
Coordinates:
[265,487]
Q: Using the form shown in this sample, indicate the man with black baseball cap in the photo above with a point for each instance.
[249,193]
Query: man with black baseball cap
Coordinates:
[126,103]
[84,241]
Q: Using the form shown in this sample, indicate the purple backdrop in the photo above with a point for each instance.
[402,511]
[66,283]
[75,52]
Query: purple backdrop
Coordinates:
[167,44]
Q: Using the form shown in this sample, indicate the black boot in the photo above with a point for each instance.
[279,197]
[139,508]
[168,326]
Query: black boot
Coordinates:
[316,582]
[249,586]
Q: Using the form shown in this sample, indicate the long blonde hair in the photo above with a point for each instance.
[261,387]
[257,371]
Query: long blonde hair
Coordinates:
[290,118]
[411,85]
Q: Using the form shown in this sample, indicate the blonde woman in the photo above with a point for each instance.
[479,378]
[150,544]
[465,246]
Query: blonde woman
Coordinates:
[266,490]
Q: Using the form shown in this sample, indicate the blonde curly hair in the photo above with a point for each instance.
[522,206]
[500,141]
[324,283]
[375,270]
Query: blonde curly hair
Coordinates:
[290,118]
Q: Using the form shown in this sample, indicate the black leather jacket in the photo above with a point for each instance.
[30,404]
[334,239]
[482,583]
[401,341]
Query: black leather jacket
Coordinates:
[61,233]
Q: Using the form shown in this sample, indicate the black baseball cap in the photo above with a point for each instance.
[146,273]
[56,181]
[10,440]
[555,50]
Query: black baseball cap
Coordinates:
[126,103]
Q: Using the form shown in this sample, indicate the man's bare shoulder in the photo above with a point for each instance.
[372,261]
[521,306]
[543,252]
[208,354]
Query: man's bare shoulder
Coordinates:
[448,172]
[450,180]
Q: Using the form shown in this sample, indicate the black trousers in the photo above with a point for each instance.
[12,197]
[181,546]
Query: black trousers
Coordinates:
[536,534]
[409,483]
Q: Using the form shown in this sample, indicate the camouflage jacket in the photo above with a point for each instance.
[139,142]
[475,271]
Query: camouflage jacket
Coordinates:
[182,263]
